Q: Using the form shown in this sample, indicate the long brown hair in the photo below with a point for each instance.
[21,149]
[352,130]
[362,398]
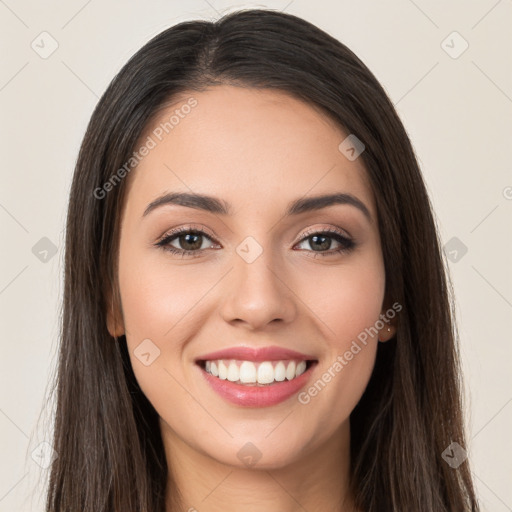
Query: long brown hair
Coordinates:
[110,452]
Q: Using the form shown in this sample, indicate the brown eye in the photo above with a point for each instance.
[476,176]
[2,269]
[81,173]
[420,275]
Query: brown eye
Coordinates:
[189,241]
[321,243]
[184,241]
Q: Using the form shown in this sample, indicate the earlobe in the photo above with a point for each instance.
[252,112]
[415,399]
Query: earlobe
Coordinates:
[388,322]
[386,333]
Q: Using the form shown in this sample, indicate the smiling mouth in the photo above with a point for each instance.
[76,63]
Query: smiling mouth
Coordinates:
[256,374]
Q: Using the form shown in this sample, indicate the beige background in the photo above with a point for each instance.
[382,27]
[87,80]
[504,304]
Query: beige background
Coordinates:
[457,112]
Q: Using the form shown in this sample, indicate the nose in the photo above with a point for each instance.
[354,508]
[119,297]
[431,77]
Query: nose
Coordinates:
[257,294]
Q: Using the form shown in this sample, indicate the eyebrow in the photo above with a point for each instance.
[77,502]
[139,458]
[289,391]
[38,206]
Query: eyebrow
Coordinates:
[218,206]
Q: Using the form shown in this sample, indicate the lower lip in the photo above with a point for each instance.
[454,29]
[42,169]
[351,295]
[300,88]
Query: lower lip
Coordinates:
[257,396]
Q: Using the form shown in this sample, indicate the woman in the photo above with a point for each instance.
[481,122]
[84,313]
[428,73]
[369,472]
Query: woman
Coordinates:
[256,312]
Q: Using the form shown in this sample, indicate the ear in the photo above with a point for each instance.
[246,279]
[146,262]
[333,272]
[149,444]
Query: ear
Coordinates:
[387,332]
[389,328]
[115,322]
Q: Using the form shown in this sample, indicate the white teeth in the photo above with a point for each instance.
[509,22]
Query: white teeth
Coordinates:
[265,373]
[301,368]
[280,372]
[223,371]
[290,371]
[233,372]
[249,372]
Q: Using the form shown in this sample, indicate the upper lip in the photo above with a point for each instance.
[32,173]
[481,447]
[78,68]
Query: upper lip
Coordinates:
[272,353]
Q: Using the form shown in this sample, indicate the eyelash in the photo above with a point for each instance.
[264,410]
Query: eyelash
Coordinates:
[347,244]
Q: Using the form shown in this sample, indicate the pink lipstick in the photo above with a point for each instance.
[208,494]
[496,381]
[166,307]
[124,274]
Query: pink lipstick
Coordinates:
[251,377]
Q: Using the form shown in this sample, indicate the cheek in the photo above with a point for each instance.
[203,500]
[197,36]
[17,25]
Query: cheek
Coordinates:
[158,303]
[347,298]
[157,297]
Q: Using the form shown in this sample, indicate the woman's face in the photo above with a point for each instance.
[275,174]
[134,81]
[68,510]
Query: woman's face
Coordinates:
[255,276]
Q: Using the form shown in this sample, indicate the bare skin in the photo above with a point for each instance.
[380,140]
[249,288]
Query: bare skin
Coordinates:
[257,151]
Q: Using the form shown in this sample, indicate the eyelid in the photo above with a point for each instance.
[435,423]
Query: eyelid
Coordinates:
[347,242]
[330,229]
[202,229]
[186,229]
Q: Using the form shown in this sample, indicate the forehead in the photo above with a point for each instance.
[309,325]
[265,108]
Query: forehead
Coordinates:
[256,148]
